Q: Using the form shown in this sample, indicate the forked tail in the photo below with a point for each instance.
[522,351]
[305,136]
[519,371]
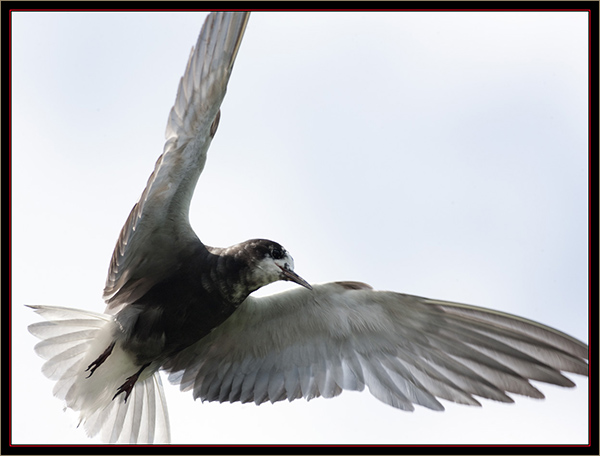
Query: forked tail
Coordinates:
[71,340]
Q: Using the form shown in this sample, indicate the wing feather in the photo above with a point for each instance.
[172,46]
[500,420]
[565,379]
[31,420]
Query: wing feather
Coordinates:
[407,350]
[157,229]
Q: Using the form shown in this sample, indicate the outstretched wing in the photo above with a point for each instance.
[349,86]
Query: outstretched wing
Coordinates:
[158,229]
[406,349]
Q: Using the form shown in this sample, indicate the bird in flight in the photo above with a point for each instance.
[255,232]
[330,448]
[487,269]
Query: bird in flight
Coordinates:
[177,305]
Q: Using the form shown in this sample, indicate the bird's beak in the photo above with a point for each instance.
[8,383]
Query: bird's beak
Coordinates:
[288,274]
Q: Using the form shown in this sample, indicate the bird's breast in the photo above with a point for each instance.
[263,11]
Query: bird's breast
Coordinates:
[175,313]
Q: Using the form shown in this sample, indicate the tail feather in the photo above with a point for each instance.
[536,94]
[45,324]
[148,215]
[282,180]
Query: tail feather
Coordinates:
[53,346]
[56,366]
[143,418]
[70,340]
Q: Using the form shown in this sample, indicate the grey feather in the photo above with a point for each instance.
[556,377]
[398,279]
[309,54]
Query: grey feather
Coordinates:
[176,304]
[408,350]
[160,218]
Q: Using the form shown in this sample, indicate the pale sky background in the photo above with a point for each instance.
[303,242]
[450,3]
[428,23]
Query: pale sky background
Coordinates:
[441,154]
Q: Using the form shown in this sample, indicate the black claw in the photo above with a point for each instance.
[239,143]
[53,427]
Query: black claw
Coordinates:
[127,387]
[96,364]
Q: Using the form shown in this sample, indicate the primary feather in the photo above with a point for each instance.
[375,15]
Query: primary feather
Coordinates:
[175,304]
[406,349]
[151,244]
[157,231]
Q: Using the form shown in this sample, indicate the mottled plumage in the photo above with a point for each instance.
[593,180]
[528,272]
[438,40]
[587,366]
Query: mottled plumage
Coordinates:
[177,305]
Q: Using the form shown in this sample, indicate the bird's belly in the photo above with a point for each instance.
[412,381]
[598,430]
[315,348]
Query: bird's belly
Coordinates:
[159,325]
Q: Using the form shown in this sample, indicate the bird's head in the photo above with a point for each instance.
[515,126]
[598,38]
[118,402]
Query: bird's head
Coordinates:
[270,262]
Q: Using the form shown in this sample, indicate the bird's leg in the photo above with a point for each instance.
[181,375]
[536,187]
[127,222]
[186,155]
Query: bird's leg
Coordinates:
[129,383]
[96,364]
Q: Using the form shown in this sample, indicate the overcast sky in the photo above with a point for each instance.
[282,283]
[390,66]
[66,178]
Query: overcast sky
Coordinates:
[443,154]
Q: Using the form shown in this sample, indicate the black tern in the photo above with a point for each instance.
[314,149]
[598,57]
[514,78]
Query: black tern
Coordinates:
[177,305]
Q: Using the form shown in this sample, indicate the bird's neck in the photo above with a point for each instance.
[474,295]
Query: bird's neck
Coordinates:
[229,275]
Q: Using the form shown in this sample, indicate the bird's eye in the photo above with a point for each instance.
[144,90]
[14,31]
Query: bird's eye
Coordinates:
[277,253]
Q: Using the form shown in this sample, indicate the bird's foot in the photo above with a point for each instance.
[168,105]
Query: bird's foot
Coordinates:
[129,383]
[96,364]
